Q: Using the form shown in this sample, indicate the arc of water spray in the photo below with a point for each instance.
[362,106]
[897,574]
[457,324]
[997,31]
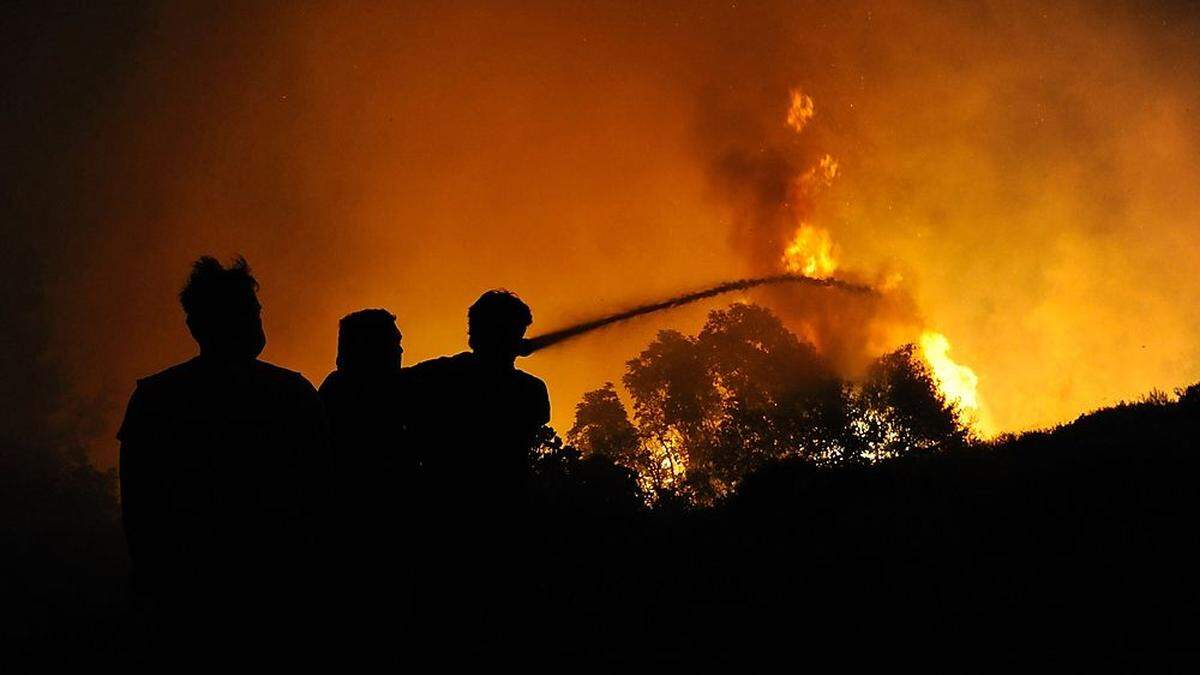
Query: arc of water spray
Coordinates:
[549,339]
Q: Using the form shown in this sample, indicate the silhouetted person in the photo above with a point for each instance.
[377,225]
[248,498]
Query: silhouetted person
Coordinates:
[474,415]
[373,473]
[223,459]
[472,420]
[362,397]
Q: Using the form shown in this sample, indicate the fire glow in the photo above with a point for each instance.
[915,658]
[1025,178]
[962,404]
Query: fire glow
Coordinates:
[811,251]
[1024,185]
[957,383]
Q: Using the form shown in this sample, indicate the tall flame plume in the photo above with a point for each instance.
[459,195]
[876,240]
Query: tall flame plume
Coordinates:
[812,252]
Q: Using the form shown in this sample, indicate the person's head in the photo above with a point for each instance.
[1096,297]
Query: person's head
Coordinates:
[369,341]
[222,309]
[496,325]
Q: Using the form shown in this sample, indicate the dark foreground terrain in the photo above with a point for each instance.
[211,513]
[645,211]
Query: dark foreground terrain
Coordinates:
[1085,531]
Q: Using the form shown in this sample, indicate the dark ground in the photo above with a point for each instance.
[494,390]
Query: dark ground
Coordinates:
[1084,532]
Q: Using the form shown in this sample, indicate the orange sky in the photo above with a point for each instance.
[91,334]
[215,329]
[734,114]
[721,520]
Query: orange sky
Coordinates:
[1031,172]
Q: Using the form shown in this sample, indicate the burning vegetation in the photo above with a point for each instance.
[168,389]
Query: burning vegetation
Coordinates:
[812,251]
[744,392]
[756,385]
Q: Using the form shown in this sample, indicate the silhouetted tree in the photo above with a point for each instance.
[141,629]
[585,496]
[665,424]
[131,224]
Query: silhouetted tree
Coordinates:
[566,479]
[1190,397]
[778,397]
[602,430]
[899,410]
[674,401]
[602,426]
[745,391]
[742,392]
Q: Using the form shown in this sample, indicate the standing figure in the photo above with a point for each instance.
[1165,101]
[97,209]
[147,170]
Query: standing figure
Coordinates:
[223,463]
[362,396]
[372,477]
[475,415]
[472,420]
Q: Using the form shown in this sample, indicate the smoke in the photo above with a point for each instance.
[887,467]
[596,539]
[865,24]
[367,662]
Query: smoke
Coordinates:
[765,136]
[770,177]
[51,62]
[1028,171]
[988,156]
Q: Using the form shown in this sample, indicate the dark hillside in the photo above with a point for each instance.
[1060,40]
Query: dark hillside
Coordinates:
[1090,526]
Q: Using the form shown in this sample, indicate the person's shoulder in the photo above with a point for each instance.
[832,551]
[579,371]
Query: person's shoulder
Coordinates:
[331,382]
[532,384]
[268,369]
[459,359]
[535,394]
[157,395]
[180,374]
[530,380]
[438,364]
[281,376]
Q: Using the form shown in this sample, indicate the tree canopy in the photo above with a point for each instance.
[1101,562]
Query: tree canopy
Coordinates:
[709,409]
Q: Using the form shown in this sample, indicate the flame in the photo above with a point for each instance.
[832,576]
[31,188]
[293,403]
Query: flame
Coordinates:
[811,252]
[956,382]
[800,111]
[821,175]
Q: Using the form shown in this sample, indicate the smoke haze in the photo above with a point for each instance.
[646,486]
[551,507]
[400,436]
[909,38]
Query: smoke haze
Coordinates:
[1029,171]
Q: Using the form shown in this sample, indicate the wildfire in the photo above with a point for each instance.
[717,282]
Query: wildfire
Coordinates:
[811,252]
[956,382]
[819,176]
[800,111]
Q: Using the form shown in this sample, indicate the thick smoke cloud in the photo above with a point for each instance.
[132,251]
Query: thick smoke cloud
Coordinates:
[1029,170]
[770,177]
